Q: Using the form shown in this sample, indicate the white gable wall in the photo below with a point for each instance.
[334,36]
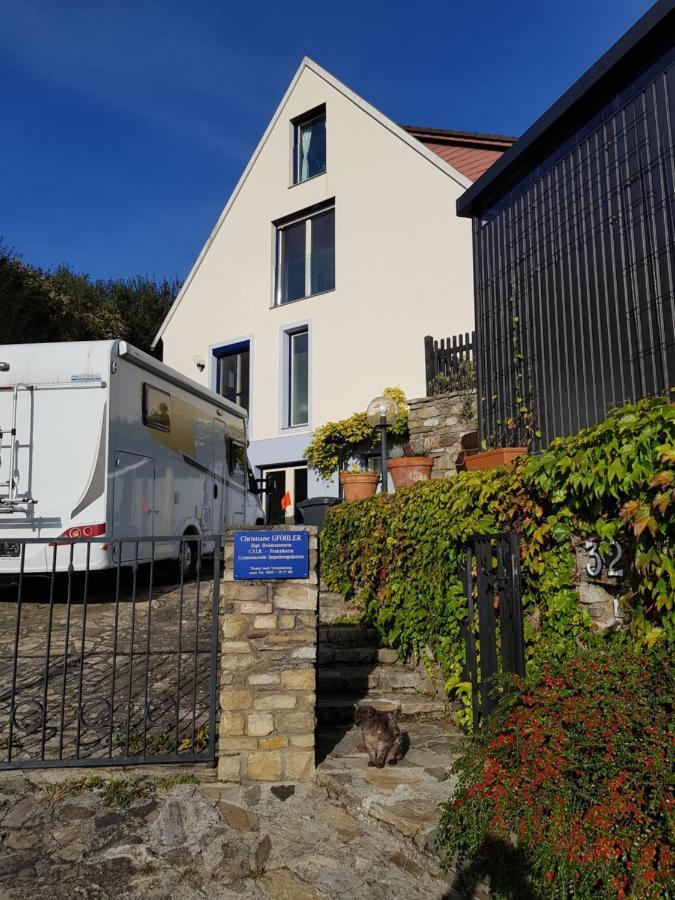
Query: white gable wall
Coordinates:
[403,268]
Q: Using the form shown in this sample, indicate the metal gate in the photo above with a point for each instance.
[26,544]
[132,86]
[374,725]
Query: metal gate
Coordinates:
[117,667]
[493,630]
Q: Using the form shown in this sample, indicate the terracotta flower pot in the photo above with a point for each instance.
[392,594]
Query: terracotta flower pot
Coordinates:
[408,470]
[357,485]
[490,459]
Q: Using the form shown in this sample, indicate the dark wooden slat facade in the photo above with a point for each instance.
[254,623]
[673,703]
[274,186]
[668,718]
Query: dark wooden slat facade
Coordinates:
[575,271]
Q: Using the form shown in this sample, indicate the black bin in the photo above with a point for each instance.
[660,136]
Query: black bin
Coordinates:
[313,510]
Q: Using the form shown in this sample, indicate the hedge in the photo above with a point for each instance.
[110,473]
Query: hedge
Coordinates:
[398,555]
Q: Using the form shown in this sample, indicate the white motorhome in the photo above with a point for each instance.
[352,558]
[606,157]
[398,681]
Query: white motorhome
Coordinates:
[98,439]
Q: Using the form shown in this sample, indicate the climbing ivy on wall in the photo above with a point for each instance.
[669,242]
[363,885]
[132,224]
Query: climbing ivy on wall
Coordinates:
[398,555]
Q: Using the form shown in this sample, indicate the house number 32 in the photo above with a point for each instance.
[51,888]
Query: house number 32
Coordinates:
[595,562]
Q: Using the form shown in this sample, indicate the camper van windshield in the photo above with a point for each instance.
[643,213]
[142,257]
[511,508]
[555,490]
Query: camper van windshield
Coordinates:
[252,483]
[236,461]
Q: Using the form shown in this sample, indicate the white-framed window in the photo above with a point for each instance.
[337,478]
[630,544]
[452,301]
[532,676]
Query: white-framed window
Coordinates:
[296,377]
[305,255]
[309,144]
[286,486]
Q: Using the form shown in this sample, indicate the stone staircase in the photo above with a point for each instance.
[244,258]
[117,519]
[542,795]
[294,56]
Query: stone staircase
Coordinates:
[353,669]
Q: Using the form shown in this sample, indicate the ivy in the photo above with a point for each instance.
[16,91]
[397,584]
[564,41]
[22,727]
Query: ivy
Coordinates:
[398,555]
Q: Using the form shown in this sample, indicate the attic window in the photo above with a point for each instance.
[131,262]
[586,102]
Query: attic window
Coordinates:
[309,144]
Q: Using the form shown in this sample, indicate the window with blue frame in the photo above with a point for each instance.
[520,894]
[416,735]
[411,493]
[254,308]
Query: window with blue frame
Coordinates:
[233,373]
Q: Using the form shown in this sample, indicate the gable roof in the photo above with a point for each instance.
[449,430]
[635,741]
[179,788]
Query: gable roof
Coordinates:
[396,130]
[472,153]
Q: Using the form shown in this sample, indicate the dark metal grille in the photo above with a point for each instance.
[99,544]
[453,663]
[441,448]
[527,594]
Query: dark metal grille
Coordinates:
[493,631]
[444,357]
[109,668]
[575,274]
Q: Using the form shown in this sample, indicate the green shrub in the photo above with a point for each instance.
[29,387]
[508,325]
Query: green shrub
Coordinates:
[462,379]
[398,555]
[333,443]
[570,784]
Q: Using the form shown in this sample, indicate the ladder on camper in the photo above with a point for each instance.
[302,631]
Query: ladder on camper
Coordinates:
[10,498]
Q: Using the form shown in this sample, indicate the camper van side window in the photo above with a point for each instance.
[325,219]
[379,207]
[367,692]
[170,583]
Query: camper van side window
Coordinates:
[236,461]
[156,408]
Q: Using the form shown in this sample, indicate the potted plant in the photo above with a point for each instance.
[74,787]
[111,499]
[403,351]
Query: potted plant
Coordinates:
[490,459]
[334,442]
[358,482]
[407,466]
[513,429]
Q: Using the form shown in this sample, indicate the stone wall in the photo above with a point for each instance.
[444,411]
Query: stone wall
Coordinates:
[438,426]
[267,674]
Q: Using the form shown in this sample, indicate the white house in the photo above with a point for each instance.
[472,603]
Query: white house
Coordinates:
[338,250]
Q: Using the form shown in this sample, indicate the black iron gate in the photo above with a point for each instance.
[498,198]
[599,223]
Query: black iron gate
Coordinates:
[108,667]
[493,631]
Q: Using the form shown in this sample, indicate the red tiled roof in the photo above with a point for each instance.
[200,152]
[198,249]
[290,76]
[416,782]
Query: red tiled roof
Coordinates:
[470,153]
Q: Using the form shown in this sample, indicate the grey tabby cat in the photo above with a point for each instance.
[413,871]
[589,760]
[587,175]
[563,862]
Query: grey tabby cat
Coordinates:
[381,735]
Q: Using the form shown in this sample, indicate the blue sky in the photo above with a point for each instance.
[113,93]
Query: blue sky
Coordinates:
[125,125]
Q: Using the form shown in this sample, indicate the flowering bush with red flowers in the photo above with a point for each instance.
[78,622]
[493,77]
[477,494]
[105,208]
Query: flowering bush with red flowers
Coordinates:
[568,792]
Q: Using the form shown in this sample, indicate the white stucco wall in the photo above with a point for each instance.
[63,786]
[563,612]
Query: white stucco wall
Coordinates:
[403,268]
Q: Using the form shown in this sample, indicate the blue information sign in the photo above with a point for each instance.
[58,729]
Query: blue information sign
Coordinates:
[271,554]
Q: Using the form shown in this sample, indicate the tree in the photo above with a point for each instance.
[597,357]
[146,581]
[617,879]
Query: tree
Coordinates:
[39,306]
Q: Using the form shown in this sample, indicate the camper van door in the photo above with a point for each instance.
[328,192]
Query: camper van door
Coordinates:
[220,477]
[133,503]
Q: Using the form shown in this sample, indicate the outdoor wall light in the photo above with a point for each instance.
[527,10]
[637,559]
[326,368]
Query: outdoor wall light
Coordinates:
[382,412]
[200,362]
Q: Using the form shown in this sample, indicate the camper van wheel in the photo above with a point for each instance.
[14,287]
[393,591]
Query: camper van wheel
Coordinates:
[187,559]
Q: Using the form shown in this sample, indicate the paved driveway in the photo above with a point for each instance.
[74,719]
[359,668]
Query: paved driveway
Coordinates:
[86,674]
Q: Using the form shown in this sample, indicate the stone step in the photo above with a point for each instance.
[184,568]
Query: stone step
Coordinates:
[362,679]
[404,799]
[333,606]
[348,635]
[345,656]
[355,656]
[407,708]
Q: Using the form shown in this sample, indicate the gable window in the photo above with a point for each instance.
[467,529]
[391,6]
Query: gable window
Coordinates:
[156,408]
[309,145]
[233,374]
[297,377]
[305,255]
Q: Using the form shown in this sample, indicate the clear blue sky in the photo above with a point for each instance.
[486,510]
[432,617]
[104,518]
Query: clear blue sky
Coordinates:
[126,124]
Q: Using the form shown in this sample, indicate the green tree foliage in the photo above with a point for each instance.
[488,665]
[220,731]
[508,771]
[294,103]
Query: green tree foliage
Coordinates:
[39,306]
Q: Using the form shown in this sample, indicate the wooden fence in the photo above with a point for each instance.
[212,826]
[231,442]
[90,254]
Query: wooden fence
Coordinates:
[444,356]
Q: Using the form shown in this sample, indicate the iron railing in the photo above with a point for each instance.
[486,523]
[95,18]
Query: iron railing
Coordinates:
[493,630]
[109,668]
[445,356]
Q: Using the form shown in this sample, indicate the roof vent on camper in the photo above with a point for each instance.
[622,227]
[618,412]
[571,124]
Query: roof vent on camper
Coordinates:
[4,367]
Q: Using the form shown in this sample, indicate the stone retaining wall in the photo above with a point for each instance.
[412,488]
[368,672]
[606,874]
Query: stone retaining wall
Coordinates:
[439,427]
[267,675]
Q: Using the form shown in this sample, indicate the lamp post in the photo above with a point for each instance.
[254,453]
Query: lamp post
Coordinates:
[382,412]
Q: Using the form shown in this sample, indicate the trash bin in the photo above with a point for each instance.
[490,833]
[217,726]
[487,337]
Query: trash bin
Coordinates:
[313,510]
